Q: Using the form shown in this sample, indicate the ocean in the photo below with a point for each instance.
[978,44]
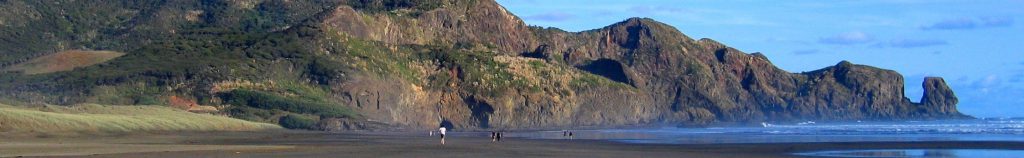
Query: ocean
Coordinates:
[994,129]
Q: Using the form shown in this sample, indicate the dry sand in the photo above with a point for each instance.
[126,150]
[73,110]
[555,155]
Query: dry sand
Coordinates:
[319,144]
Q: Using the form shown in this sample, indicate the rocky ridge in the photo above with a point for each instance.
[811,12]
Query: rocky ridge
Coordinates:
[670,77]
[473,65]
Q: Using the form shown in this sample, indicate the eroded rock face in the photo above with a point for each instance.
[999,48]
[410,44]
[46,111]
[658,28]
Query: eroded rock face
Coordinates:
[938,98]
[636,72]
[671,78]
[460,21]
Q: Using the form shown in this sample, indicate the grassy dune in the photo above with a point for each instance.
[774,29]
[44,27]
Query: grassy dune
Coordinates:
[64,61]
[102,119]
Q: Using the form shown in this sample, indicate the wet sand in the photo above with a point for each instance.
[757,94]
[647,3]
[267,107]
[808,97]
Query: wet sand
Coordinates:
[320,144]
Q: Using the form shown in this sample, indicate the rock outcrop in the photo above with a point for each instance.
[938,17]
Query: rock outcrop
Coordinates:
[938,99]
[669,77]
[471,64]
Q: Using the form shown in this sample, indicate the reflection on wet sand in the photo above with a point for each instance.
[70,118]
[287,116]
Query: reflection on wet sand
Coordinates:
[915,153]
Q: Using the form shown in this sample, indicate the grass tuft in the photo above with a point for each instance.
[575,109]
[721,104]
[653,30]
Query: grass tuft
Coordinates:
[102,119]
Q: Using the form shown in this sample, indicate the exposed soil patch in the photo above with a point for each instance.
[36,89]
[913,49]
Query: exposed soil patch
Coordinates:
[64,61]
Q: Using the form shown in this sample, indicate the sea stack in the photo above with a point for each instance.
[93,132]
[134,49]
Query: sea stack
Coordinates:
[938,97]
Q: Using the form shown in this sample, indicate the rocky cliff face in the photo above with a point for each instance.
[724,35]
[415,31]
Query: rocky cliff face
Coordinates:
[473,65]
[938,99]
[669,77]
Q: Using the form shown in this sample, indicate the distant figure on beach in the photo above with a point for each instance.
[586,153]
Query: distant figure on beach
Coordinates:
[494,136]
[442,130]
[570,135]
[565,133]
[497,137]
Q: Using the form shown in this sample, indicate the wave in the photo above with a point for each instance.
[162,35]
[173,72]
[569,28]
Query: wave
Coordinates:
[921,127]
[810,131]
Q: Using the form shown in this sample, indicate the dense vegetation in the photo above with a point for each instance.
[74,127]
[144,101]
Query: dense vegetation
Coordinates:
[415,7]
[297,122]
[173,49]
[263,100]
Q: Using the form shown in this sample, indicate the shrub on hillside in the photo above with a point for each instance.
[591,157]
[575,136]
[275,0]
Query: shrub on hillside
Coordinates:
[389,5]
[265,100]
[293,121]
[250,114]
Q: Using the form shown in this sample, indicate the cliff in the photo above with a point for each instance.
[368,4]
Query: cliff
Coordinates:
[467,63]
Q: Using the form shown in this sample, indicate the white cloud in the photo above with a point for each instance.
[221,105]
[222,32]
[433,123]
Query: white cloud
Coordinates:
[970,23]
[914,43]
[848,38]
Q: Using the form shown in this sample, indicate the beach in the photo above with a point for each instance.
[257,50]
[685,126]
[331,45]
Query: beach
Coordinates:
[368,144]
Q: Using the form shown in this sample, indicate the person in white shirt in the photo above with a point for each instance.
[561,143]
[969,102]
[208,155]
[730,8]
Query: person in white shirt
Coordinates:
[442,130]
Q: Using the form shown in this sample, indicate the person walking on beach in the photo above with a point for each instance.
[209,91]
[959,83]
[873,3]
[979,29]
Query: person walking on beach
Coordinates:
[494,136]
[442,132]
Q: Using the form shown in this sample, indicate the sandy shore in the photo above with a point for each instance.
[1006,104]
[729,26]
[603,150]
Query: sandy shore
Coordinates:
[318,144]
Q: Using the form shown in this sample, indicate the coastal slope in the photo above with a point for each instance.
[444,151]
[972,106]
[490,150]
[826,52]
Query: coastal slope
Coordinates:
[468,64]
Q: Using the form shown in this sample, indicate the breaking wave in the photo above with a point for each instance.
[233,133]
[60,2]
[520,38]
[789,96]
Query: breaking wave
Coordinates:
[943,130]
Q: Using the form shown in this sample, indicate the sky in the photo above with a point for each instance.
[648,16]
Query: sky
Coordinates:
[976,46]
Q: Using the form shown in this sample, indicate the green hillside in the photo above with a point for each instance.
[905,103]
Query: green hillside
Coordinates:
[103,119]
[412,64]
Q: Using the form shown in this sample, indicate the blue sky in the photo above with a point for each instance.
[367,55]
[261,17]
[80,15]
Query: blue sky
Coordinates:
[977,46]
